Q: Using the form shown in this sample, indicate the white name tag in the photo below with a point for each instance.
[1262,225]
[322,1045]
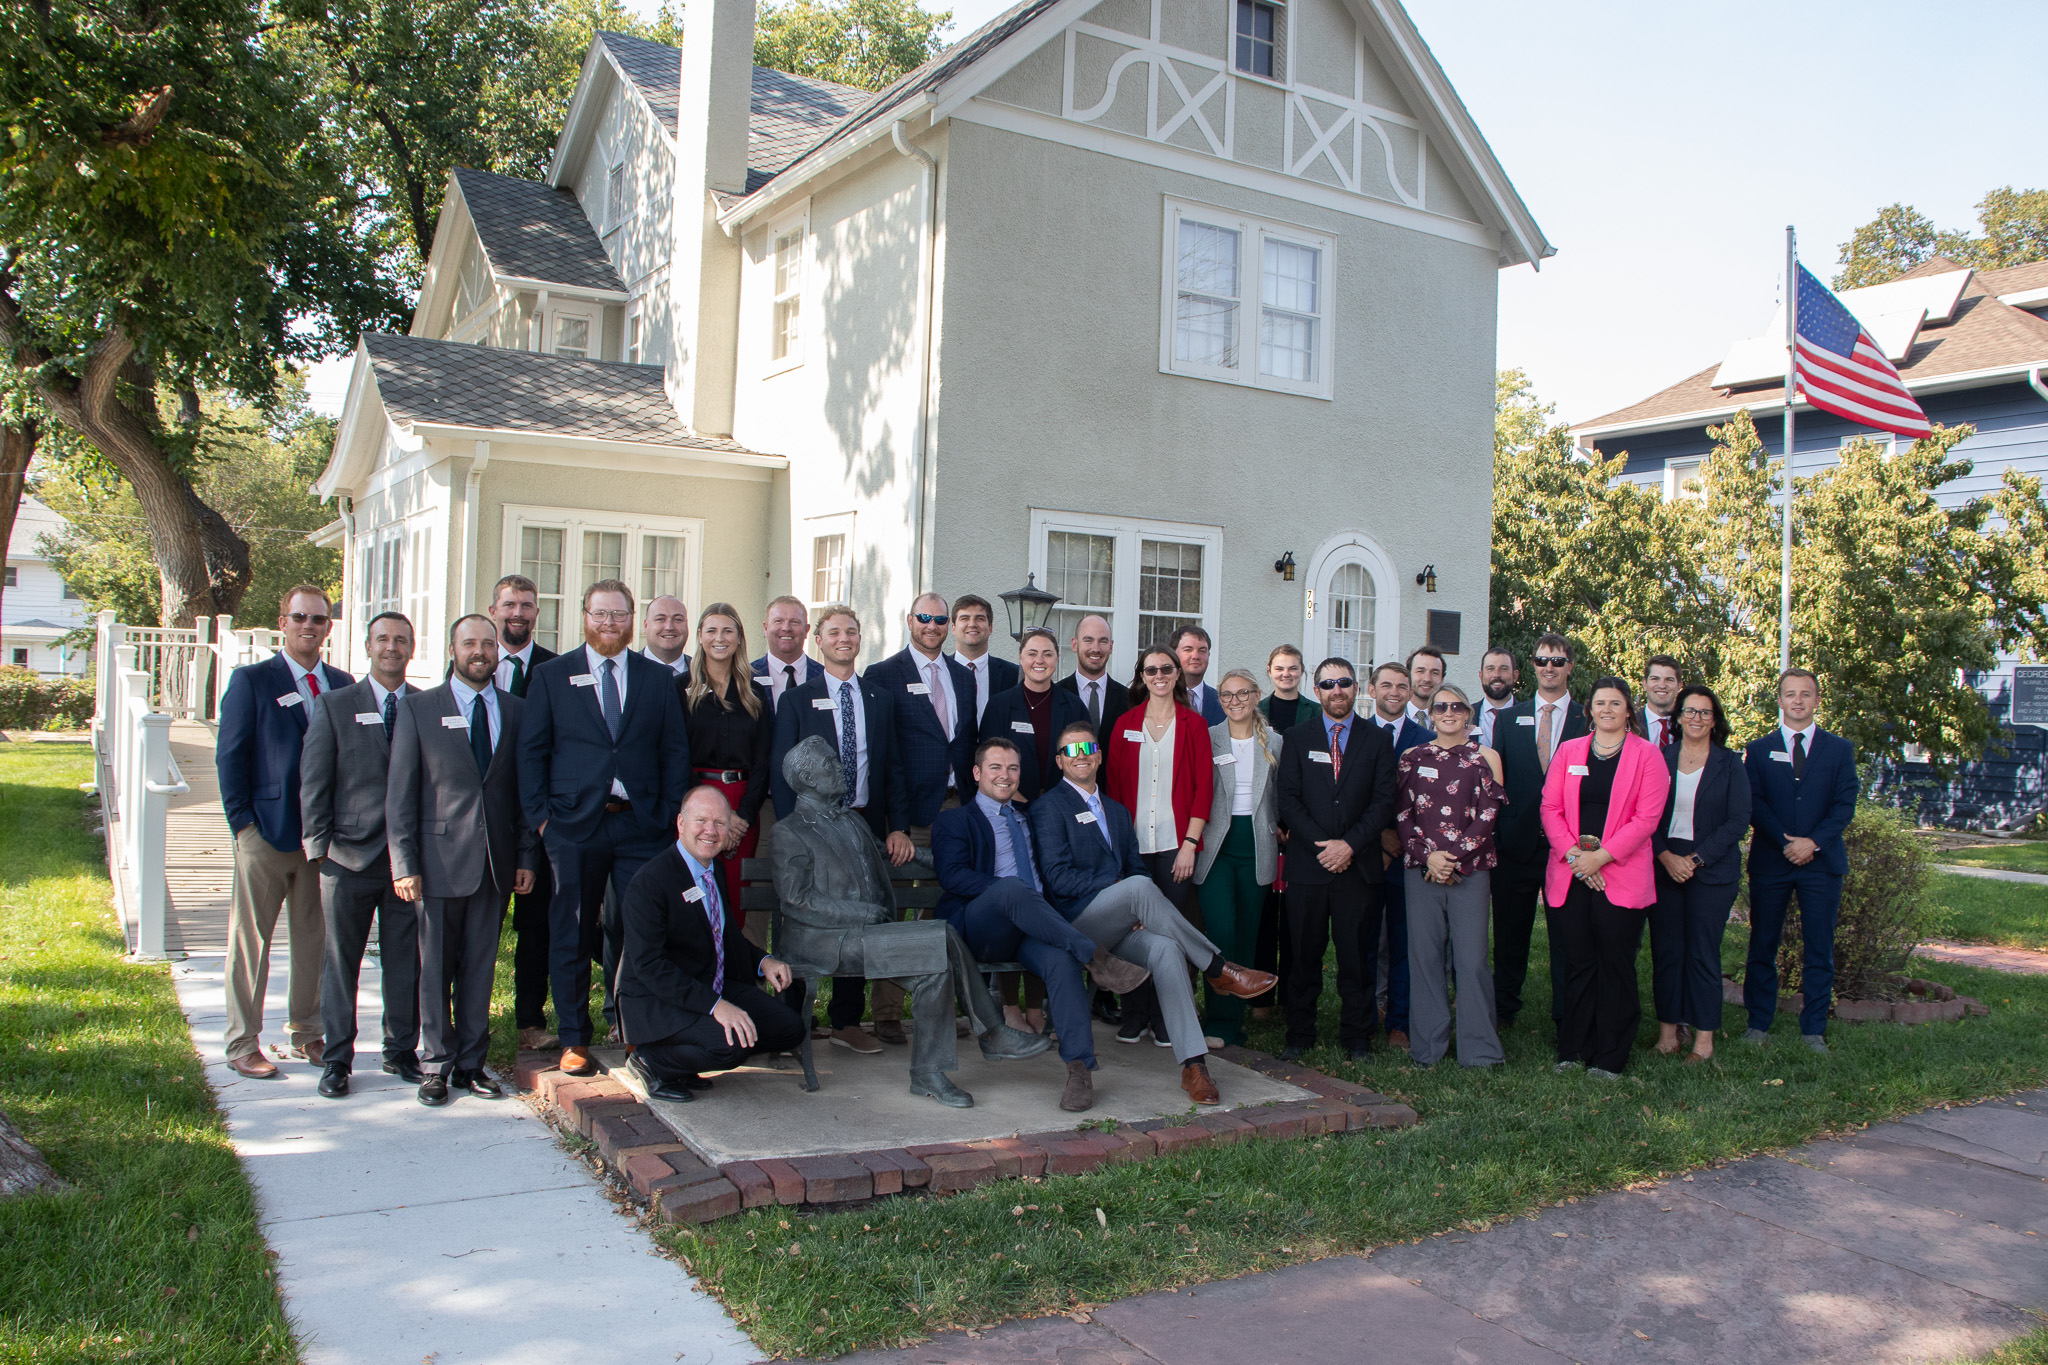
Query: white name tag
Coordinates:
[1221,759]
[1780,756]
[582,680]
[1318,756]
[455,722]
[1135,736]
[1426,772]
[918,689]
[1022,727]
[1578,770]
[369,718]
[1529,721]
[695,893]
[822,704]
[1086,817]
[291,699]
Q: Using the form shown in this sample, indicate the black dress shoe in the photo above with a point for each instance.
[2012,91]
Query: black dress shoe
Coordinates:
[1292,1053]
[407,1069]
[478,1083]
[334,1082]
[696,1083]
[1106,1008]
[675,1092]
[1358,1054]
[434,1091]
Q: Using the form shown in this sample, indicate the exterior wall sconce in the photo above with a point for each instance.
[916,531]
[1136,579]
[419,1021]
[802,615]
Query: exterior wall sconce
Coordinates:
[1426,580]
[1284,566]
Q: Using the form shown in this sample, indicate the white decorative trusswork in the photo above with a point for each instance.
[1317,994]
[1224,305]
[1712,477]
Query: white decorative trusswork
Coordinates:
[1158,60]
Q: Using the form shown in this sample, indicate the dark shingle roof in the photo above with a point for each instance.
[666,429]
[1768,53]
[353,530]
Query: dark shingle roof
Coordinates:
[445,382]
[535,232]
[656,70]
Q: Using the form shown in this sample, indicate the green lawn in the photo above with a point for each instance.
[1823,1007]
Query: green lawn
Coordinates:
[2009,914]
[2031,1349]
[153,1255]
[2018,855]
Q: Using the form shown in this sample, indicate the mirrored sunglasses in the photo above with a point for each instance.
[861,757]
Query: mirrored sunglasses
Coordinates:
[1081,750]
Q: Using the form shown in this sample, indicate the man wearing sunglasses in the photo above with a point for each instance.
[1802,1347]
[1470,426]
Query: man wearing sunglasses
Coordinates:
[1336,796]
[263,723]
[1526,737]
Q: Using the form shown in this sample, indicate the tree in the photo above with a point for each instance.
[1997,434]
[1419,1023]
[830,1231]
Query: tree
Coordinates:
[18,439]
[171,220]
[865,43]
[2014,231]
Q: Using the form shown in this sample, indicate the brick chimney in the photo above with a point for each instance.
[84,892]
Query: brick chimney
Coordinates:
[711,154]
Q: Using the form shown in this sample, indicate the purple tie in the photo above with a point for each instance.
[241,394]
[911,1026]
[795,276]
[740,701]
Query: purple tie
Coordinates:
[709,886]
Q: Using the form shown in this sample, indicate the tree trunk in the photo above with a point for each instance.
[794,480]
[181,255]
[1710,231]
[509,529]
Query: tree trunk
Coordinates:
[22,1168]
[17,448]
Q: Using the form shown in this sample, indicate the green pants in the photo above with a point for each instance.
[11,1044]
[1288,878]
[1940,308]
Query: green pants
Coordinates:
[1232,902]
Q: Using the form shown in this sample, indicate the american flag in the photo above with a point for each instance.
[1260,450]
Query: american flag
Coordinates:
[1841,370]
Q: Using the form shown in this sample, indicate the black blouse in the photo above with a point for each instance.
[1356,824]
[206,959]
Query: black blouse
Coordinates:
[1596,791]
[723,735]
[1283,714]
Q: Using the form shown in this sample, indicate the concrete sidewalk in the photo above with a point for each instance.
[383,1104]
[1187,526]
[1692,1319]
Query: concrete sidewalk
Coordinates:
[1996,874]
[461,1234]
[1921,1240]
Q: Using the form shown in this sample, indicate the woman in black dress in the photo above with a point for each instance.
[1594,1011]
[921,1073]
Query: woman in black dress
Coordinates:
[730,730]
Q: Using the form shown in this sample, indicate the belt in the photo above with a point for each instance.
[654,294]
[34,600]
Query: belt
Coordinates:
[613,805]
[721,774]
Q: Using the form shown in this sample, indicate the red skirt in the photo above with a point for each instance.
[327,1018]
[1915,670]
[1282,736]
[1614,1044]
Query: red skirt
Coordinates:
[729,866]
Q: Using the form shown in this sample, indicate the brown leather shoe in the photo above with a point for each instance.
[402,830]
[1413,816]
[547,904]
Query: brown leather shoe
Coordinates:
[1397,1039]
[1080,1091]
[1115,975]
[1242,982]
[312,1051]
[255,1066]
[577,1061]
[891,1031]
[1195,1079]
[855,1039]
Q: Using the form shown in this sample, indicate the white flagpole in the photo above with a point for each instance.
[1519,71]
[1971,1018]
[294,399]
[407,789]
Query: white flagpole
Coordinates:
[1791,382]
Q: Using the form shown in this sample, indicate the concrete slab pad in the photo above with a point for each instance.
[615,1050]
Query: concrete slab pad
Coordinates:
[1030,1341]
[1996,1134]
[865,1103]
[1937,1180]
[1653,1275]
[1963,1252]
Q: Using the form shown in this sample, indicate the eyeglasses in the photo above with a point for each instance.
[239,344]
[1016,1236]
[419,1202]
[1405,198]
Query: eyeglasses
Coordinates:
[1239,694]
[1160,670]
[1696,713]
[1081,750]
[925,618]
[1447,708]
[1334,684]
[615,618]
[300,618]
[1552,661]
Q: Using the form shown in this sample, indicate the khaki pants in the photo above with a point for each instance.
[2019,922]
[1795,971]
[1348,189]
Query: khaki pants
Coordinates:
[265,882]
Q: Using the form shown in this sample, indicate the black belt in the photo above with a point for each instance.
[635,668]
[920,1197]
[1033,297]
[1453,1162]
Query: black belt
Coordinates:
[614,806]
[722,774]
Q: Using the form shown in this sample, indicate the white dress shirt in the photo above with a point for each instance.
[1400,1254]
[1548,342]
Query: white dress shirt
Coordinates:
[979,668]
[679,667]
[1098,688]
[597,663]
[833,687]
[465,705]
[299,677]
[1154,815]
[1243,753]
[1392,727]
[1655,725]
[1685,790]
[525,657]
[1488,715]
[779,681]
[1786,732]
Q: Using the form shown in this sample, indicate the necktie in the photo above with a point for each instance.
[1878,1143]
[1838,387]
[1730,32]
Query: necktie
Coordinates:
[1543,736]
[390,712]
[609,697]
[1665,734]
[1798,755]
[313,681]
[939,700]
[788,676]
[1020,847]
[1336,752]
[518,687]
[480,734]
[714,913]
[849,743]
[1095,704]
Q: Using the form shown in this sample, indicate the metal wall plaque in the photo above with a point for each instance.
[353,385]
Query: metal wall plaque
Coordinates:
[2029,695]
[1444,627]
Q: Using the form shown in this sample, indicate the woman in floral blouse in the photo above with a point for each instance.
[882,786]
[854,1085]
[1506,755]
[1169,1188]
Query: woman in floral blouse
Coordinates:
[1450,797]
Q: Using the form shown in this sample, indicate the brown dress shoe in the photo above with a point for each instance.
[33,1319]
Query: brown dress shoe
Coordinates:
[577,1061]
[537,1040]
[255,1066]
[891,1031]
[312,1051]
[1242,982]
[1195,1079]
[1115,975]
[856,1039]
[1398,1040]
[1080,1091]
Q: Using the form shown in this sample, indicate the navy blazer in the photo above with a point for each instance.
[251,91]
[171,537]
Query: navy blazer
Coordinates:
[760,667]
[1116,698]
[1006,712]
[1074,861]
[964,857]
[929,755]
[797,719]
[1002,676]
[568,758]
[256,750]
[1720,815]
[1520,838]
[1354,807]
[1818,806]
[1211,708]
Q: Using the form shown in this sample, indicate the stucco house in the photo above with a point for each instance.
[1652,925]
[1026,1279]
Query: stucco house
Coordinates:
[1158,300]
[38,609]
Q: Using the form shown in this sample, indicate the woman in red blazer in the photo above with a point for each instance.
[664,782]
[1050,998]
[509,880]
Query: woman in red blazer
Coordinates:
[1603,797]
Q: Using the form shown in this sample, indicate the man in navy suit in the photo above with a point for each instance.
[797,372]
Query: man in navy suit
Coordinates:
[1391,689]
[262,732]
[1102,697]
[785,666]
[515,609]
[1802,785]
[1088,851]
[1526,736]
[973,621]
[1032,714]
[1191,646]
[859,723]
[604,763]
[994,895]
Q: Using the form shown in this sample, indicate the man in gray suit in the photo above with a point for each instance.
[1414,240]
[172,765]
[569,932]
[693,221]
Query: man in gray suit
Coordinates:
[342,772]
[459,847]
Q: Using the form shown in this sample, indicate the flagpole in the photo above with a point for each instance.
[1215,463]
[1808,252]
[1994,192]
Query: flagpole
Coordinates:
[1791,383]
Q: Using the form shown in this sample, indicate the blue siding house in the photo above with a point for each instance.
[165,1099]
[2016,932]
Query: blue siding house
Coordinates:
[1972,346]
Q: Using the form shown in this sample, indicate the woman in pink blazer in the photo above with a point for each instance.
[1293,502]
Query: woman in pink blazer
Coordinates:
[1602,799]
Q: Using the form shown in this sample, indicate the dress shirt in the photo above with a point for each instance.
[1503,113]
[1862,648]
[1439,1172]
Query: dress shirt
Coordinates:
[1392,727]
[299,678]
[1488,715]
[1654,726]
[979,668]
[1787,732]
[1157,831]
[597,662]
[1198,697]
[1006,856]
[833,686]
[525,657]
[1415,713]
[778,681]
[1094,799]
[679,667]
[925,669]
[1330,730]
[465,702]
[1099,688]
[379,692]
[1558,710]
[714,909]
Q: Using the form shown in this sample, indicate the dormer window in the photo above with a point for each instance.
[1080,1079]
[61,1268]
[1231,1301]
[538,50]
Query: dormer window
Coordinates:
[572,335]
[1260,41]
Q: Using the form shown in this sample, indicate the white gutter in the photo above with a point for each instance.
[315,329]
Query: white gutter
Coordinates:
[2034,381]
[520,284]
[921,533]
[503,436]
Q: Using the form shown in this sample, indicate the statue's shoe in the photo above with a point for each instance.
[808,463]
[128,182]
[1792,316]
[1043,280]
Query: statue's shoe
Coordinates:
[939,1087]
[1005,1044]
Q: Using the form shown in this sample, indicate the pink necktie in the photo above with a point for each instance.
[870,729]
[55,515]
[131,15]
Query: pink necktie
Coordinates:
[939,700]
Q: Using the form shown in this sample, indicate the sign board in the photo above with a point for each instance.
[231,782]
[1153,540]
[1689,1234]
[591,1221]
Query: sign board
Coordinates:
[2029,695]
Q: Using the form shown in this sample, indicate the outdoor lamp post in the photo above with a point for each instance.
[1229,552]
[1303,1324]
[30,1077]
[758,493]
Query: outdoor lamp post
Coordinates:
[1028,607]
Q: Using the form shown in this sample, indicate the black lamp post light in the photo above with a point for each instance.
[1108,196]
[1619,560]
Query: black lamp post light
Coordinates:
[1028,607]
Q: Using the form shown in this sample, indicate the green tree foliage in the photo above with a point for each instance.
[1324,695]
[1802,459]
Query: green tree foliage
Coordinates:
[171,220]
[2012,230]
[865,43]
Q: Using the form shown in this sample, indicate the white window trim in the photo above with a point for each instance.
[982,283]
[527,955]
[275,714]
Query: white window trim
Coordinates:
[614,220]
[1123,591]
[574,521]
[1252,231]
[592,315]
[799,219]
[1284,48]
[1672,466]
[635,349]
[1353,547]
[832,524]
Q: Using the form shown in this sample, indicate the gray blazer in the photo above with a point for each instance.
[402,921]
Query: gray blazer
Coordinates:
[450,824]
[1265,806]
[342,769]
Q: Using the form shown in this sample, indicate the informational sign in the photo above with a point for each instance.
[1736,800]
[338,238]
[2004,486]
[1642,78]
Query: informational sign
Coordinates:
[1444,630]
[2029,695]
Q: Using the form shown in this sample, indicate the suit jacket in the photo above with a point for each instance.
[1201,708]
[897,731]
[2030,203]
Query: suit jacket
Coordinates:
[1116,698]
[762,676]
[1075,863]
[1265,804]
[1817,806]
[540,655]
[929,754]
[1007,712]
[964,857]
[1720,814]
[888,807]
[342,772]
[1520,838]
[568,758]
[1317,806]
[669,960]
[1002,674]
[449,824]
[1641,783]
[262,731]
[1202,697]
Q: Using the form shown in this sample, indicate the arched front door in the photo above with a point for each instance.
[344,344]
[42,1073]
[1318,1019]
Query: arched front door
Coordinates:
[1354,608]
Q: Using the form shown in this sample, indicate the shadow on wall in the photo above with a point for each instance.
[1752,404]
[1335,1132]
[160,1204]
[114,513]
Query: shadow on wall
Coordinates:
[869,324]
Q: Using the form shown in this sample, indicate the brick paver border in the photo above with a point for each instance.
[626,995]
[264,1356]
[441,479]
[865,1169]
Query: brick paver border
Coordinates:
[681,1187]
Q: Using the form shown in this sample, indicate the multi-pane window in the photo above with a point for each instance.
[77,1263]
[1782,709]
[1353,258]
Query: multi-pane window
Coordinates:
[635,340]
[1682,479]
[1081,568]
[828,568]
[419,597]
[1352,605]
[1146,578]
[1228,275]
[616,206]
[565,550]
[785,342]
[1258,48]
[13,579]
[604,556]
[1169,589]
[540,558]
[661,566]
[572,335]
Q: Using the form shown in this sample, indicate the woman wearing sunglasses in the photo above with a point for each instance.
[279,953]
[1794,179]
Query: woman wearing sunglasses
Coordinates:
[1699,865]
[1234,872]
[1602,800]
[1446,815]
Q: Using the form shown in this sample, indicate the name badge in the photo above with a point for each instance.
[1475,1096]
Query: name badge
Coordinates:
[1318,756]
[822,704]
[291,699]
[455,722]
[1135,736]
[1222,759]
[369,717]
[918,689]
[1578,770]
[1529,721]
[582,680]
[695,893]
[1086,817]
[1426,772]
[1780,756]
[1022,727]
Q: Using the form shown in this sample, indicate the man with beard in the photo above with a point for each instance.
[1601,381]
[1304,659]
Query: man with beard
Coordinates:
[668,636]
[515,607]
[1497,678]
[604,763]
[1104,698]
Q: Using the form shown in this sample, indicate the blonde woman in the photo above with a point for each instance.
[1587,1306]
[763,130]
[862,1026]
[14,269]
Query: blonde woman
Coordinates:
[1234,871]
[730,727]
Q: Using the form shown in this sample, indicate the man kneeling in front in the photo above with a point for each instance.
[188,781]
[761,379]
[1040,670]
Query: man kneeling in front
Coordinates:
[688,998]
